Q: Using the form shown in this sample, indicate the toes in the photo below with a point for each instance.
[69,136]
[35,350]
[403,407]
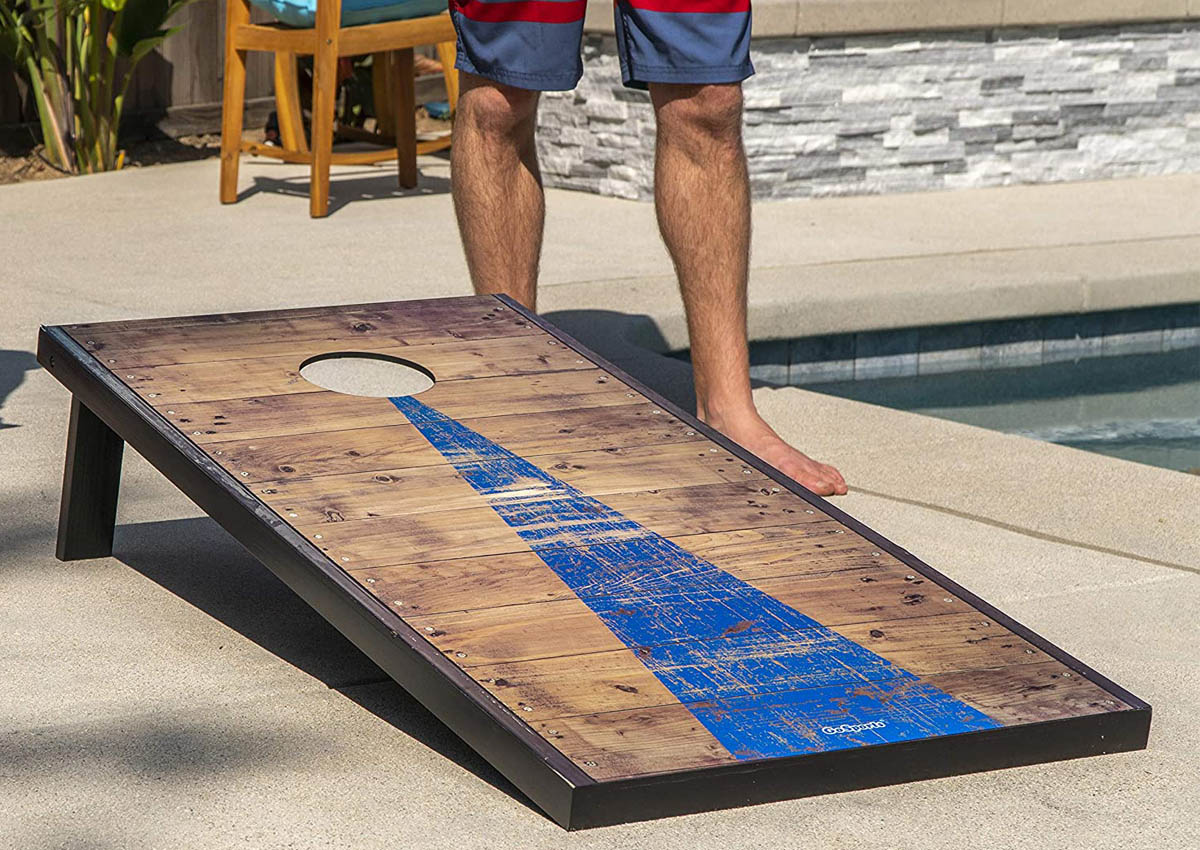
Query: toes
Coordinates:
[820,478]
[836,480]
[819,486]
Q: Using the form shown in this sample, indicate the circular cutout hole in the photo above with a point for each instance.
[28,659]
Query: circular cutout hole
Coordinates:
[366,374]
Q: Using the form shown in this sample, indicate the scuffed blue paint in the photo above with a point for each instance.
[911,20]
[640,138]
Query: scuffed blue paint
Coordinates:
[762,677]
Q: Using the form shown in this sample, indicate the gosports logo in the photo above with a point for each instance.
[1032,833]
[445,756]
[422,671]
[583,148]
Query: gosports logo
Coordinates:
[850,728]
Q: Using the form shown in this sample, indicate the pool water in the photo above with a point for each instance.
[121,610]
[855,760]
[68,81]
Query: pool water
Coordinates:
[1142,407]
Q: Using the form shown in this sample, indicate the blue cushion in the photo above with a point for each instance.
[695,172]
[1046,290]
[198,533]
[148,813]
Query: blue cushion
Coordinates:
[303,13]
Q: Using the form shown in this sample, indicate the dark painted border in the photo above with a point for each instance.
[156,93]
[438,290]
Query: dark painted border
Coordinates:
[567,794]
[772,780]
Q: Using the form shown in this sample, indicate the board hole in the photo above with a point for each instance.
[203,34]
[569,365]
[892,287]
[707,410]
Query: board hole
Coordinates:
[366,374]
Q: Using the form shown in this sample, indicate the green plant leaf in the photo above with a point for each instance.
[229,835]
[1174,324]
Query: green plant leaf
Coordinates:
[138,21]
[139,50]
[113,5]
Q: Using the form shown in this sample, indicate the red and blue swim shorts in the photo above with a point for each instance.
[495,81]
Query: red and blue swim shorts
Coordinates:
[535,44]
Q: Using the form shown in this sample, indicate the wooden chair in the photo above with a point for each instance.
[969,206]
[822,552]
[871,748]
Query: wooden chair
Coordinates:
[392,41]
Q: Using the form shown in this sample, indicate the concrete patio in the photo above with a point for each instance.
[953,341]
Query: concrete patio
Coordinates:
[178,695]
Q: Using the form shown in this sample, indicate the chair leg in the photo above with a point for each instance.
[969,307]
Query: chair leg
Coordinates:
[447,53]
[287,102]
[405,118]
[324,102]
[383,91]
[233,100]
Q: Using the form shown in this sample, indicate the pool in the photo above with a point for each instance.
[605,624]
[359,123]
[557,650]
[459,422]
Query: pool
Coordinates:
[1139,407]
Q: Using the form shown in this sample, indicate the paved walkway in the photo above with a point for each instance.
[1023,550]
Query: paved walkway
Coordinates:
[820,266]
[177,695]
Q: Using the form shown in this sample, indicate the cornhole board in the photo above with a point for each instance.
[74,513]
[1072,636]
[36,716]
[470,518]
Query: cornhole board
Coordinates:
[625,613]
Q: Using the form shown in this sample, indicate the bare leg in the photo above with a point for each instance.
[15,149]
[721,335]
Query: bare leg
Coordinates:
[702,196]
[497,187]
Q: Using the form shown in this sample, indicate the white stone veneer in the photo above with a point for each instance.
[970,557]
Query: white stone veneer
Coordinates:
[903,112]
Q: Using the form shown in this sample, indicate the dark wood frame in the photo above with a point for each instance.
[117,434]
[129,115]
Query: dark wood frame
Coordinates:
[106,413]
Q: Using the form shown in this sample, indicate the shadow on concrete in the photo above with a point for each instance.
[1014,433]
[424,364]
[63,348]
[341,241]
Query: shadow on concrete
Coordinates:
[201,564]
[13,366]
[145,745]
[370,184]
[634,343]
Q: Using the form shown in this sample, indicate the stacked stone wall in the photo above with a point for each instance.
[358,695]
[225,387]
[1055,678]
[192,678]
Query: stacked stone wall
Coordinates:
[869,114]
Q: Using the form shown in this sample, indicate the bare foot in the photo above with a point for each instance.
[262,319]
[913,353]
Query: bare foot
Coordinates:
[752,432]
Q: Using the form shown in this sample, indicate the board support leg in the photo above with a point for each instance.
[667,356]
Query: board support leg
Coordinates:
[91,480]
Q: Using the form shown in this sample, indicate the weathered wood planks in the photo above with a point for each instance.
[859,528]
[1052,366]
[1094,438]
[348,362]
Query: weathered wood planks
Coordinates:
[280,374]
[460,554]
[405,490]
[321,410]
[400,446]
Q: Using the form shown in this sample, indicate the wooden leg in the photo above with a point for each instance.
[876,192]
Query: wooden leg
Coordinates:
[325,62]
[383,92]
[287,102]
[405,117]
[92,478]
[237,12]
[446,55]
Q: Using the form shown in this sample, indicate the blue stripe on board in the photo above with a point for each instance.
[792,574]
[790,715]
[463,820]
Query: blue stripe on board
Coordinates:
[763,678]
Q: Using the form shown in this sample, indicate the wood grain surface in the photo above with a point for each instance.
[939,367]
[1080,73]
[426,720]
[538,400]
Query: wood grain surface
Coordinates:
[367,486]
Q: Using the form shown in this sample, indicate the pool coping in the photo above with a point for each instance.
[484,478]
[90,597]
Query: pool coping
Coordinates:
[881,294]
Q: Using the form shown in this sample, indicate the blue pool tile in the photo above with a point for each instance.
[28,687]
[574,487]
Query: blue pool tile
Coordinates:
[1133,331]
[1016,342]
[822,359]
[769,362]
[1183,328]
[885,354]
[1071,338]
[951,348]
[823,372]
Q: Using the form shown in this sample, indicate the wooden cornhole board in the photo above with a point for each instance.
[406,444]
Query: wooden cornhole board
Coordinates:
[623,612]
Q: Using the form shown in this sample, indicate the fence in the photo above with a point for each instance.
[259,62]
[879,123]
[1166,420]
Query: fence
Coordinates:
[178,87]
